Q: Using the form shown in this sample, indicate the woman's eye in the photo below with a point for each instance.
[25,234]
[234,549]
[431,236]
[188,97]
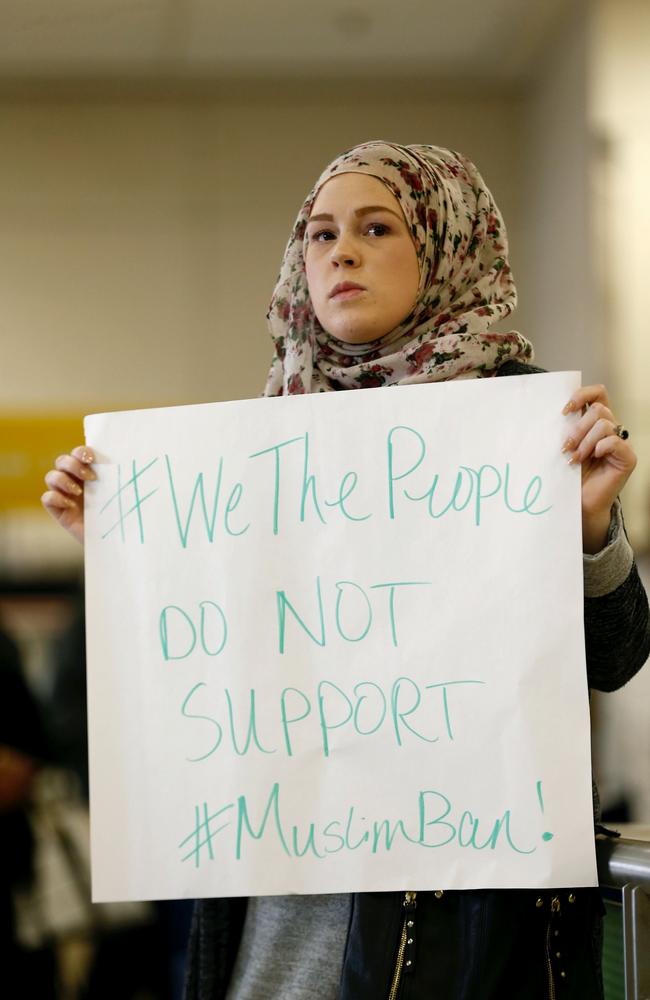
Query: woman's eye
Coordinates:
[327,235]
[378,229]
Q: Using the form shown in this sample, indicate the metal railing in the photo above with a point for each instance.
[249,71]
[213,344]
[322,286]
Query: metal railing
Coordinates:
[625,865]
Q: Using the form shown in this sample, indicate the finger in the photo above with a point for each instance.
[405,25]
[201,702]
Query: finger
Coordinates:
[53,501]
[75,467]
[595,413]
[619,449]
[601,429]
[84,454]
[64,483]
[585,396]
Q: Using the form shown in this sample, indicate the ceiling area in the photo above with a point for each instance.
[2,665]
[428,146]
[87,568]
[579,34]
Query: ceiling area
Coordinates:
[491,40]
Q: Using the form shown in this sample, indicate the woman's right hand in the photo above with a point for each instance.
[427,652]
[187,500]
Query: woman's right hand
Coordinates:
[64,498]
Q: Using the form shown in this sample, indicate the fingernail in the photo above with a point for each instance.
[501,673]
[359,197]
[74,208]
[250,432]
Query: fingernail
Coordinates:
[87,456]
[87,473]
[573,459]
[69,502]
[568,445]
[568,408]
[75,488]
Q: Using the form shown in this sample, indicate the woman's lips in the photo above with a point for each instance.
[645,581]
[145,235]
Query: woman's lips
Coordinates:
[347,293]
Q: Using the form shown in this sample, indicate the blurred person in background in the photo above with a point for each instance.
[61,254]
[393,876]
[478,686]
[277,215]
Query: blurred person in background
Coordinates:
[131,958]
[395,270]
[23,747]
[67,714]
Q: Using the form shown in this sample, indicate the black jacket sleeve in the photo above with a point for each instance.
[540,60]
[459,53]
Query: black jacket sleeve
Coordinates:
[617,634]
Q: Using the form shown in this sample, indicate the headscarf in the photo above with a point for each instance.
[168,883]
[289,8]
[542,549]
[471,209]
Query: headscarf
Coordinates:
[465,283]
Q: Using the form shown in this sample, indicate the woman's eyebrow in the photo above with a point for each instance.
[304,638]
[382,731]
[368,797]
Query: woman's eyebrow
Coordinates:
[326,217]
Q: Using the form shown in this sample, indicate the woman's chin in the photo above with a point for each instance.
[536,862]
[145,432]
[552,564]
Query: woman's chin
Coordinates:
[361,333]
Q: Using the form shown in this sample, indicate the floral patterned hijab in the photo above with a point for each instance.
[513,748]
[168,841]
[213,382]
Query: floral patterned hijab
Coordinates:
[465,283]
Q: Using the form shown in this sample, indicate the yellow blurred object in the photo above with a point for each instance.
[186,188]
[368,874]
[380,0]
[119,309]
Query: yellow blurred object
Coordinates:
[29,445]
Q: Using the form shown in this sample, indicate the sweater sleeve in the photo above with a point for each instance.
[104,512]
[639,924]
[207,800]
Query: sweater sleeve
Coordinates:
[617,620]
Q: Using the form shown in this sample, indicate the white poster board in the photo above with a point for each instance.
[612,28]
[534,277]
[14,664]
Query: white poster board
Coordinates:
[335,643]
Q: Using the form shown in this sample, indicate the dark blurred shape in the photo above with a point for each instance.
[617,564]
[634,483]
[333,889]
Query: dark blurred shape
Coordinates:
[23,746]
[133,960]
[67,709]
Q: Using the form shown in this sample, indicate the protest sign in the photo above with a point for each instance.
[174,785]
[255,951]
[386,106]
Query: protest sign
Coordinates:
[335,643]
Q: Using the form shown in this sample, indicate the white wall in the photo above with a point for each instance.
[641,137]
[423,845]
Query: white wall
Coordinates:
[558,260]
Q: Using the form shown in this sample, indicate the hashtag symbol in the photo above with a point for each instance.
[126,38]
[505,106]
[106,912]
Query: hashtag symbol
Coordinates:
[138,499]
[203,833]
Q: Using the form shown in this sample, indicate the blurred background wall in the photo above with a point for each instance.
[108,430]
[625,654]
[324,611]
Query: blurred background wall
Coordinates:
[154,154]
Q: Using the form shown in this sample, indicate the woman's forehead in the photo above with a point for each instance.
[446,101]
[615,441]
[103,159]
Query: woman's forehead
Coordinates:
[339,191]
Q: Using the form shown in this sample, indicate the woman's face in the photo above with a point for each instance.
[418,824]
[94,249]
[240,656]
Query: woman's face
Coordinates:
[357,236]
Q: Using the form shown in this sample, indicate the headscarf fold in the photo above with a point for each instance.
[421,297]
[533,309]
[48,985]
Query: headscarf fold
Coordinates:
[465,283]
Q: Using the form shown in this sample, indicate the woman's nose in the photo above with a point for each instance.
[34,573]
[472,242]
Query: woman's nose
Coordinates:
[345,254]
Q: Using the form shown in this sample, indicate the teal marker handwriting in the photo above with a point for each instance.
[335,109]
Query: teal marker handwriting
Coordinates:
[325,716]
[467,487]
[311,499]
[229,831]
[351,617]
[292,484]
[179,630]
[209,508]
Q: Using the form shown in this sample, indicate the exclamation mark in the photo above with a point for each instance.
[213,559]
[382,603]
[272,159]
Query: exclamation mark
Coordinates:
[546,835]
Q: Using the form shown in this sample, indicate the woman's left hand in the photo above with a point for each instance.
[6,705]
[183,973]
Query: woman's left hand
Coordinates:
[607,461]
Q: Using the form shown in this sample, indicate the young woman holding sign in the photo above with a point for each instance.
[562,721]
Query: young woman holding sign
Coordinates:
[395,270]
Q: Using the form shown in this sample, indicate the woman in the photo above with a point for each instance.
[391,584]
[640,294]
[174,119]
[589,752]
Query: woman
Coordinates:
[395,270]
